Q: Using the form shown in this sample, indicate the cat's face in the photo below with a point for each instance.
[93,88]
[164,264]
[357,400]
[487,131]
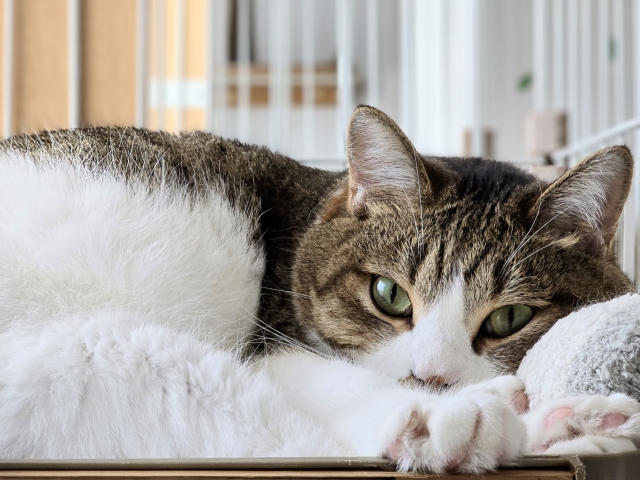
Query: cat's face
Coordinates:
[449,270]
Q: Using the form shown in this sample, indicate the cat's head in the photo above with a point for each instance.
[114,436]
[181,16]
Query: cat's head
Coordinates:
[451,269]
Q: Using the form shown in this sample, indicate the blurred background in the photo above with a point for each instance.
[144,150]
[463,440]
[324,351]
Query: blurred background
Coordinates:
[537,82]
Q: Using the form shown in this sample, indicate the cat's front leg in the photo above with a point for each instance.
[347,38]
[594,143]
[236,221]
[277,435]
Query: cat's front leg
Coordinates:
[584,424]
[470,431]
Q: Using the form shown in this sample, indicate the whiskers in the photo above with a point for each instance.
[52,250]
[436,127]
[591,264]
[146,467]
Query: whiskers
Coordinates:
[271,335]
[288,292]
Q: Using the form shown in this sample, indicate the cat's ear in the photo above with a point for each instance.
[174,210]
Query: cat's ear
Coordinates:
[383,164]
[588,199]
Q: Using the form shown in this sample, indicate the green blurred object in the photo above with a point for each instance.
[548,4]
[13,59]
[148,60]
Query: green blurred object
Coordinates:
[525,81]
[612,48]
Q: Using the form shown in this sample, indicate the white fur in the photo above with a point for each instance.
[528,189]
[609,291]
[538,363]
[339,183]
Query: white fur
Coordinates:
[72,242]
[107,385]
[119,310]
[471,430]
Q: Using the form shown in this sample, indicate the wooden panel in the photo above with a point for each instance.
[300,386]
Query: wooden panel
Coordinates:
[108,66]
[195,54]
[194,120]
[40,62]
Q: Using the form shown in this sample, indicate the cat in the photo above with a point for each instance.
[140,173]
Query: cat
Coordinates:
[188,296]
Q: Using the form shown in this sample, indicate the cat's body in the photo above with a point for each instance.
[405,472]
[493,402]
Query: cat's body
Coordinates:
[137,268]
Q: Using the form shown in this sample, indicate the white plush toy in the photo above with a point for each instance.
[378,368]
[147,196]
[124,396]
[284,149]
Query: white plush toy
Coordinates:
[595,350]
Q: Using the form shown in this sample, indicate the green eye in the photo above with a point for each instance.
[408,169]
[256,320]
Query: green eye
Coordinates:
[390,297]
[508,320]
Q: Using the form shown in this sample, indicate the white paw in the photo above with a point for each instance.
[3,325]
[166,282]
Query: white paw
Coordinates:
[584,424]
[509,388]
[471,432]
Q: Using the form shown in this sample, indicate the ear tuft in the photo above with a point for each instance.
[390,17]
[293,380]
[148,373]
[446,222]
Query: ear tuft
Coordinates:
[589,198]
[382,161]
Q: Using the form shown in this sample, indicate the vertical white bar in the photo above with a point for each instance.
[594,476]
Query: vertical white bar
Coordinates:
[636,142]
[479,61]
[558,53]
[540,55]
[308,78]
[430,74]
[343,41]
[274,71]
[181,40]
[619,64]
[221,45]
[373,50]
[604,66]
[407,87]
[73,62]
[586,69]
[573,89]
[448,143]
[279,74]
[7,69]
[466,76]
[161,52]
[209,65]
[142,53]
[216,66]
[243,70]
[489,26]
[475,52]
[629,230]
[285,75]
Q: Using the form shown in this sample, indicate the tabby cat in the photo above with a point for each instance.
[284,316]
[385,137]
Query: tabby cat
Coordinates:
[188,296]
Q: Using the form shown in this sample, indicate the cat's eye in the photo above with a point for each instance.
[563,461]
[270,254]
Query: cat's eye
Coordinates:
[390,297]
[508,320]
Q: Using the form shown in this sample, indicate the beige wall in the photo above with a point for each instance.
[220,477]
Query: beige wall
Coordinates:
[108,62]
[40,67]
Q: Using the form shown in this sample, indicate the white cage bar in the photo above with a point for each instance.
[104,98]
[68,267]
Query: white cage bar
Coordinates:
[180,47]
[142,56]
[73,71]
[343,42]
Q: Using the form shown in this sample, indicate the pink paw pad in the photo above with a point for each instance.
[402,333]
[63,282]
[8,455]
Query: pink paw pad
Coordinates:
[455,461]
[520,402]
[412,430]
[558,416]
[612,420]
[395,449]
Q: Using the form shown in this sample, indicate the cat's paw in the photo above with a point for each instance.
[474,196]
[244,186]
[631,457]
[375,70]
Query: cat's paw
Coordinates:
[470,432]
[510,388]
[584,424]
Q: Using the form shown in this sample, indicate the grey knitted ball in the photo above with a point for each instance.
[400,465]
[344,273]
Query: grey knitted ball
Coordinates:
[595,350]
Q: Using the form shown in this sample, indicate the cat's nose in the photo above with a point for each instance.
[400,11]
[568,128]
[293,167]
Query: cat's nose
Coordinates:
[435,381]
